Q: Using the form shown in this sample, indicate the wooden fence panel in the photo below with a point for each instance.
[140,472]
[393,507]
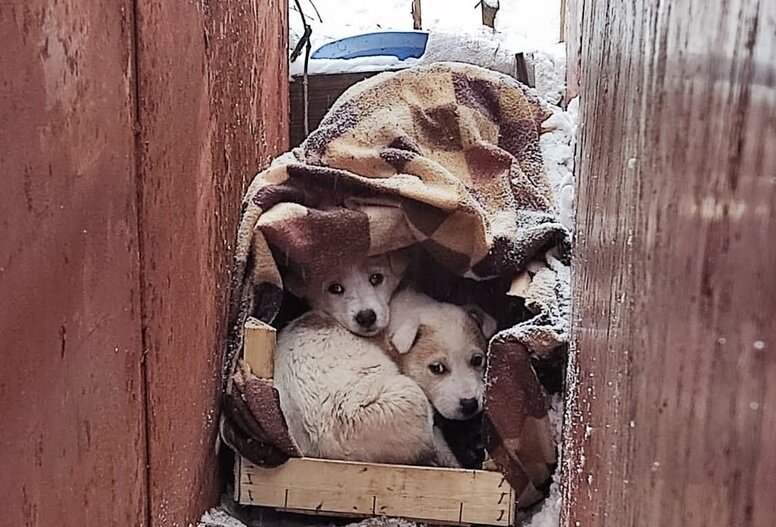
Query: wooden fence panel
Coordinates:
[571,21]
[213,109]
[72,442]
[672,417]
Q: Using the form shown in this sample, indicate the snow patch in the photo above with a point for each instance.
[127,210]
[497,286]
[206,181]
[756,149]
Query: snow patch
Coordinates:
[455,32]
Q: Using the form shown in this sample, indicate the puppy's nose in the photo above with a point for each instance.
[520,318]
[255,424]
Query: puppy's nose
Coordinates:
[469,406]
[366,318]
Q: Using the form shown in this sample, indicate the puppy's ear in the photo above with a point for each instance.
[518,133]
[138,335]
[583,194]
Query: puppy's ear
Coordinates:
[294,282]
[404,333]
[398,261]
[486,322]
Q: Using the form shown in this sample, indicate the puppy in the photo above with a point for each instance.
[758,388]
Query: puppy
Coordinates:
[343,397]
[356,295]
[442,347]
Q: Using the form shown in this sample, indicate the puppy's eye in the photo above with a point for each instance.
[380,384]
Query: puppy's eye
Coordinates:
[437,368]
[336,289]
[376,279]
[477,360]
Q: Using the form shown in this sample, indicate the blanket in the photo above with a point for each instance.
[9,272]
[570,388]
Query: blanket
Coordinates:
[444,158]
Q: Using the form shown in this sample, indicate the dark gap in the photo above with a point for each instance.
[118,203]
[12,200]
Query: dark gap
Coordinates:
[137,131]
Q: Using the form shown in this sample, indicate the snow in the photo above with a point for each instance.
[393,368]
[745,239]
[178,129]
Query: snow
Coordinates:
[217,517]
[519,24]
[557,144]
[455,31]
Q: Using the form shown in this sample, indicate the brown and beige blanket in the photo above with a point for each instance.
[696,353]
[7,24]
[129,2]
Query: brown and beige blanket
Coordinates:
[444,157]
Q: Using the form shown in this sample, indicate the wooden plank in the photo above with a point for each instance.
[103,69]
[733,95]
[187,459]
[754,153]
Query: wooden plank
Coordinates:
[323,90]
[259,348]
[672,411]
[417,15]
[572,35]
[71,415]
[563,15]
[489,12]
[213,110]
[450,496]
[524,69]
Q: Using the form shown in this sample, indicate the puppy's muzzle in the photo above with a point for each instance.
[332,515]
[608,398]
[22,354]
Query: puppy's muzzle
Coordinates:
[469,406]
[366,318]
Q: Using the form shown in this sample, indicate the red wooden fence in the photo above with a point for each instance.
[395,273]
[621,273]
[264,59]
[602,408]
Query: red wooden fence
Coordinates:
[673,418]
[128,131]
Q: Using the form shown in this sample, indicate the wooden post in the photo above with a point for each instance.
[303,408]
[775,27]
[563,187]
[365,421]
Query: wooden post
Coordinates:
[71,382]
[571,27]
[563,13]
[489,10]
[417,21]
[524,69]
[672,411]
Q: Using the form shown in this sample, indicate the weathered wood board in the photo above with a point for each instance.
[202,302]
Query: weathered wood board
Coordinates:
[443,495]
[72,436]
[673,403]
[213,106]
[128,132]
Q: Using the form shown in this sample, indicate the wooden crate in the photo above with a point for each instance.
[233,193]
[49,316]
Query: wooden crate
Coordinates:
[320,486]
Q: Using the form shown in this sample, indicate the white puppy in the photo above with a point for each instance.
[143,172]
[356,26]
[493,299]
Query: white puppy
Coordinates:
[356,295]
[442,347]
[344,398]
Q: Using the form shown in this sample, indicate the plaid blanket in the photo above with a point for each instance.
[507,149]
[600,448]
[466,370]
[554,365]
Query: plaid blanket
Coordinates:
[443,157]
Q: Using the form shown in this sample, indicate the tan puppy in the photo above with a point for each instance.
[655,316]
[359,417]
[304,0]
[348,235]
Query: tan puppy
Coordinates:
[442,347]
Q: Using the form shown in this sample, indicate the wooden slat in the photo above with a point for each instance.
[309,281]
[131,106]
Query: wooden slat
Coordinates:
[489,13]
[72,440]
[212,108]
[563,14]
[524,69]
[450,496]
[323,90]
[572,24]
[259,348]
[417,15]
[673,418]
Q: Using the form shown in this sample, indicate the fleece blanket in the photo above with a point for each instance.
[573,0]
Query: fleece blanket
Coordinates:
[443,157]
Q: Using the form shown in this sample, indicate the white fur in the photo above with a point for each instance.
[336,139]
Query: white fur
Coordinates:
[359,295]
[344,398]
[425,332]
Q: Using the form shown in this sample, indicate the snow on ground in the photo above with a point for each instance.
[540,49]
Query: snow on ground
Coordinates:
[519,24]
[455,30]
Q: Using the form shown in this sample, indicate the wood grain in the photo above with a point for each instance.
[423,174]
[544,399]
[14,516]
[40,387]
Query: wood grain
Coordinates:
[439,495]
[571,27]
[259,348]
[323,90]
[72,446]
[213,111]
[673,403]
